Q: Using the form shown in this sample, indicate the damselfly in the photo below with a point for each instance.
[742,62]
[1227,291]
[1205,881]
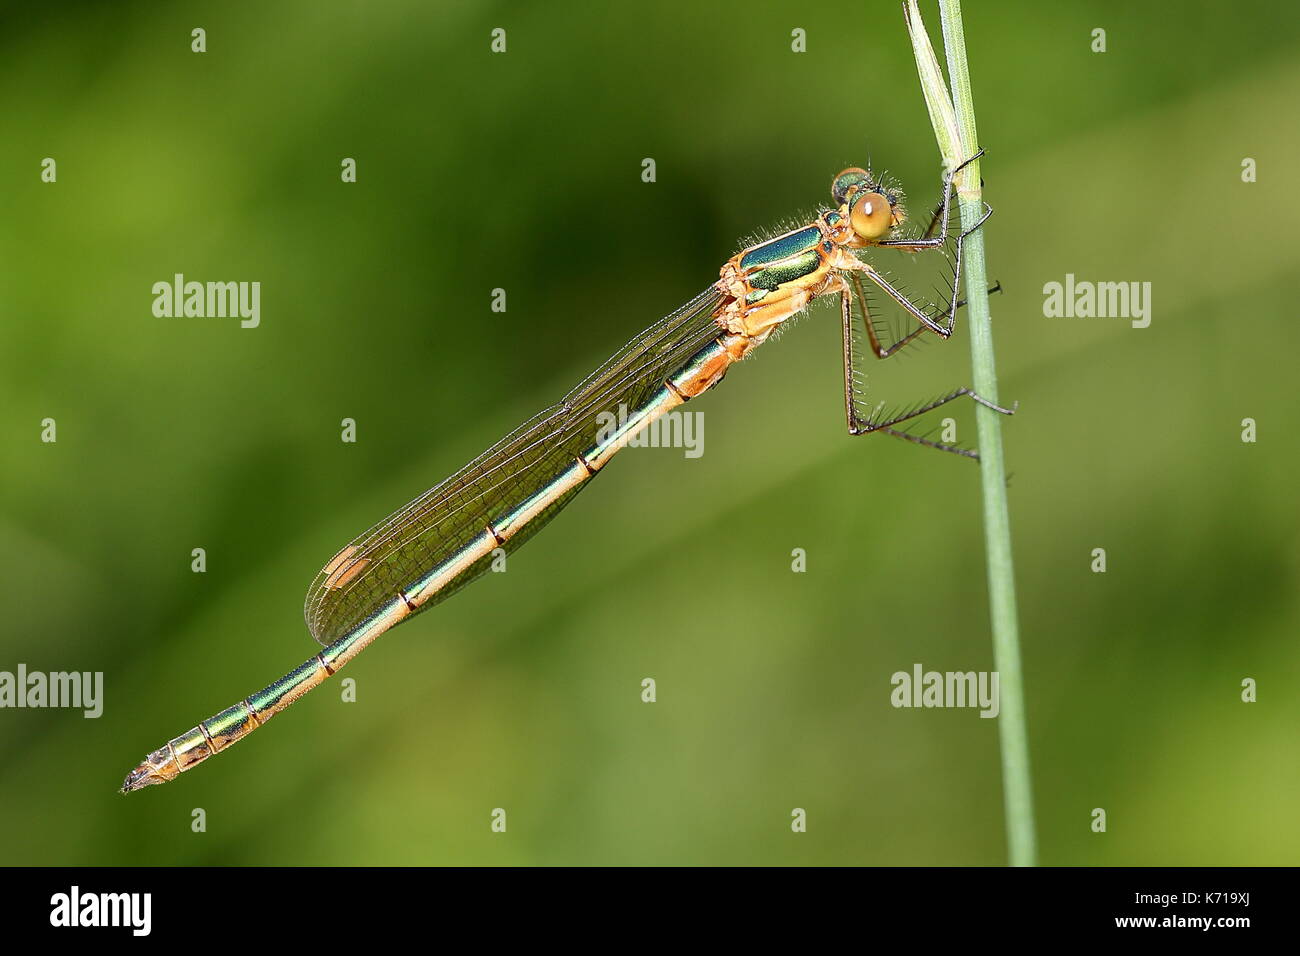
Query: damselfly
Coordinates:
[448,536]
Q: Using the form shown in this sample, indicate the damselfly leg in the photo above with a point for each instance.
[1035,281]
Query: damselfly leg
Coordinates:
[851,289]
[853,274]
[885,425]
[928,241]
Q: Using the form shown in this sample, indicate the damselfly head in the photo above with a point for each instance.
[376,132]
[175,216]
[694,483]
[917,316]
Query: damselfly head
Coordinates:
[872,208]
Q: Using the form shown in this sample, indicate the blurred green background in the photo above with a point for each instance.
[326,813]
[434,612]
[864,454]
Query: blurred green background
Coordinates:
[522,171]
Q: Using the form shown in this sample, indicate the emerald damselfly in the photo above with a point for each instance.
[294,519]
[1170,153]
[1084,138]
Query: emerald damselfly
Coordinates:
[448,536]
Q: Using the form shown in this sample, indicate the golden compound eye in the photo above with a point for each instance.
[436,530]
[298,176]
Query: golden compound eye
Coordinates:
[871,216]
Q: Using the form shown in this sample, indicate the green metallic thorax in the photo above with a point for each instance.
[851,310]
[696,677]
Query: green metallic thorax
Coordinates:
[785,260]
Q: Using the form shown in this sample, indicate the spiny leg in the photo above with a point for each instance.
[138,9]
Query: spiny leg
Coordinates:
[884,352]
[928,240]
[886,426]
[846,319]
[859,427]
[949,313]
[940,208]
[853,265]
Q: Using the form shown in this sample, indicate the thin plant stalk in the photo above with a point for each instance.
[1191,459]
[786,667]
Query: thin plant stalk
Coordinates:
[949,115]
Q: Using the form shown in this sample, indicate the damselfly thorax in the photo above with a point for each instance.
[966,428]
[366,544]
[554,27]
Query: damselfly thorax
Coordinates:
[773,280]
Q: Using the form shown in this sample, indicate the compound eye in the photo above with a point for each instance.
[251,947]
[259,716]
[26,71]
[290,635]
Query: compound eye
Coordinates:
[871,216]
[845,181]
